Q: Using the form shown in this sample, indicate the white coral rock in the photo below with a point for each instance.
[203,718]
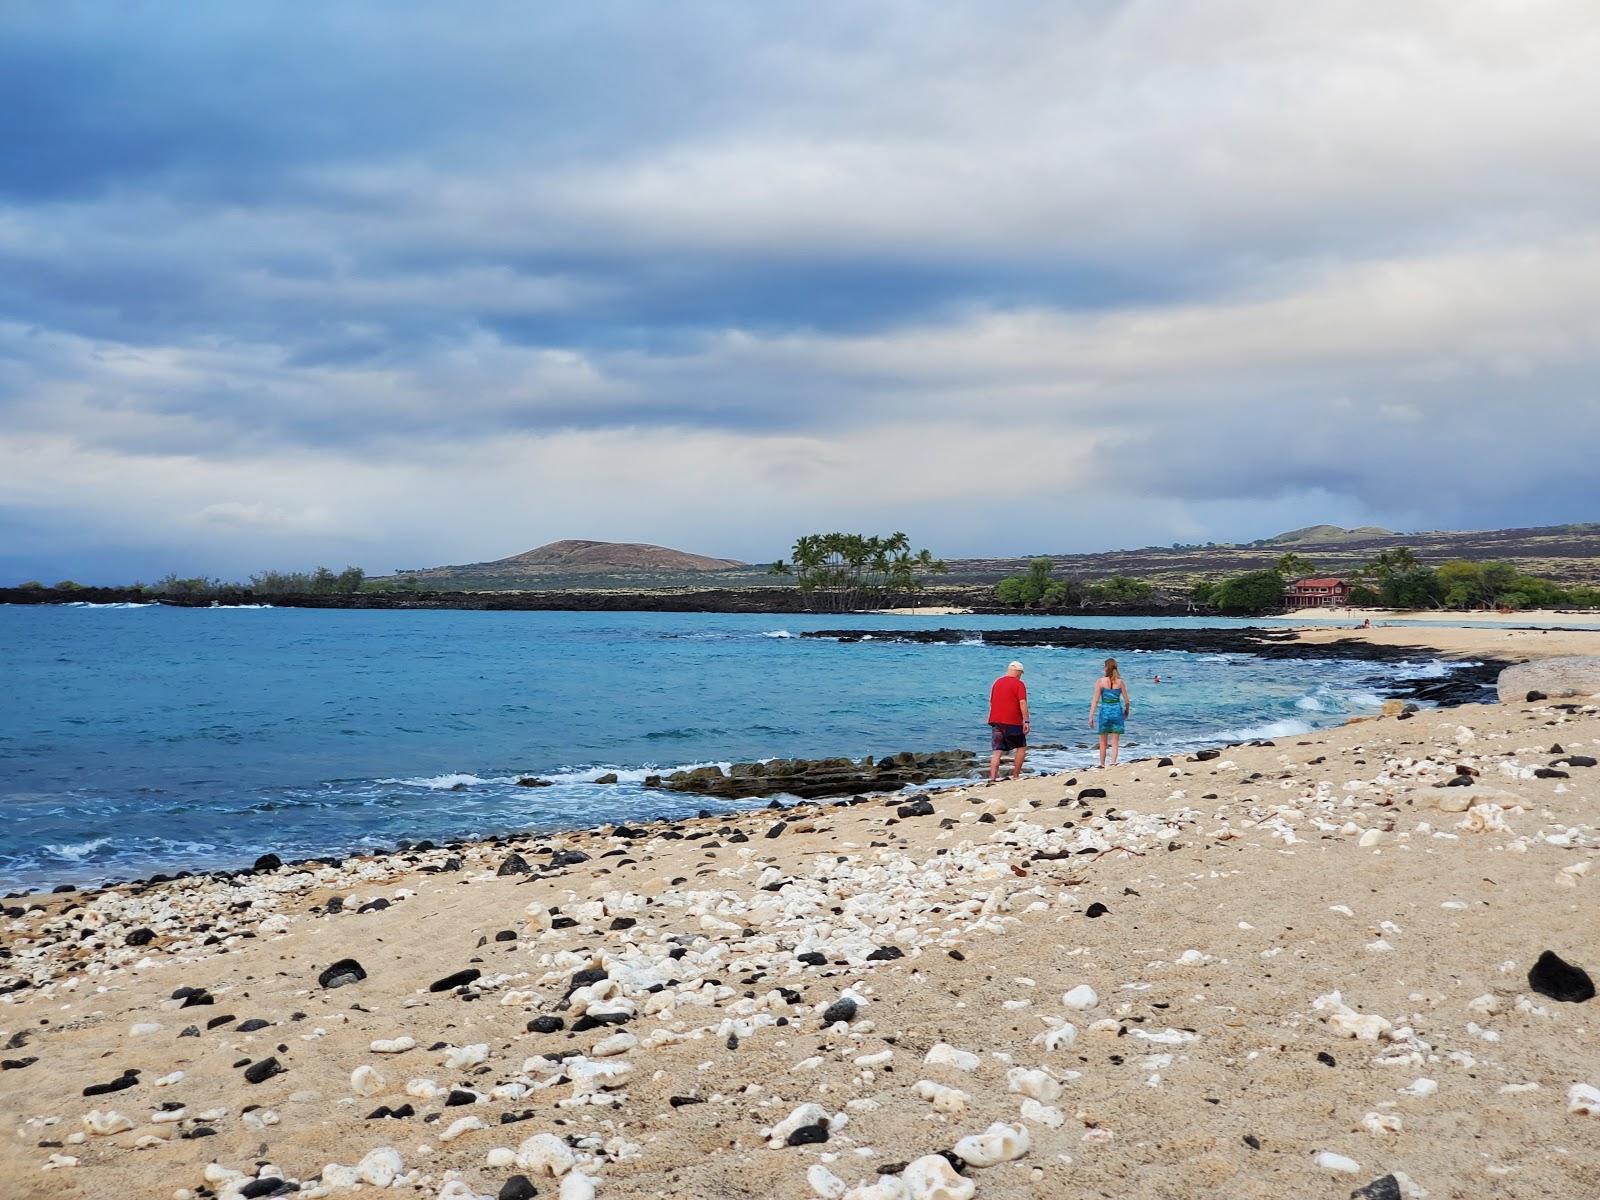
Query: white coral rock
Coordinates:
[997,1144]
[545,1154]
[943,1054]
[380,1167]
[1083,997]
[944,1099]
[931,1177]
[366,1081]
[1583,1100]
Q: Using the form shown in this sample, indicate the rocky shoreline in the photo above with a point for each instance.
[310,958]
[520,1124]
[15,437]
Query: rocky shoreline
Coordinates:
[1063,986]
[777,600]
[1468,683]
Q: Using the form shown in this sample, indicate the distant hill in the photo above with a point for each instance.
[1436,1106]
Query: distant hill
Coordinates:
[1566,553]
[1313,535]
[574,562]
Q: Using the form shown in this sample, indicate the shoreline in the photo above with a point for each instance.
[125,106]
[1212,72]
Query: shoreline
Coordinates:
[1465,685]
[1212,906]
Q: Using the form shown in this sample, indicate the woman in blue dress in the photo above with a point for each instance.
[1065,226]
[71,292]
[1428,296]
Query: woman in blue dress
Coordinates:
[1109,709]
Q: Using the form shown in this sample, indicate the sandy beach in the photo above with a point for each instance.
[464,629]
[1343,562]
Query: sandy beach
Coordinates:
[1292,969]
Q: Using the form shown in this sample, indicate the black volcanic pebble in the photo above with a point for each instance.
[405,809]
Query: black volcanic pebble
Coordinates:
[259,1072]
[139,937]
[346,970]
[1385,1187]
[568,858]
[1575,760]
[545,1024]
[1532,696]
[917,808]
[1206,755]
[680,1101]
[886,954]
[1092,794]
[221,1020]
[17,1064]
[1096,910]
[842,1009]
[1252,1141]
[585,977]
[506,935]
[812,959]
[1163,762]
[126,1080]
[809,1135]
[1553,976]
[458,1097]
[377,905]
[1326,1059]
[518,1187]
[268,1187]
[1459,781]
[253,1024]
[268,862]
[777,829]
[191,1031]
[514,864]
[459,979]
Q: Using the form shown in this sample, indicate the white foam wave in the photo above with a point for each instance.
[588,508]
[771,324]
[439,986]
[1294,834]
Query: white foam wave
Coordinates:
[437,782]
[216,605]
[77,851]
[1309,703]
[777,633]
[118,604]
[633,775]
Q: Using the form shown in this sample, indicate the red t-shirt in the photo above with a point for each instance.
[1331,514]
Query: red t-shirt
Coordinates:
[1005,701]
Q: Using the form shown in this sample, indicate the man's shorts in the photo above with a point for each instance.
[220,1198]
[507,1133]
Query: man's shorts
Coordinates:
[1007,737]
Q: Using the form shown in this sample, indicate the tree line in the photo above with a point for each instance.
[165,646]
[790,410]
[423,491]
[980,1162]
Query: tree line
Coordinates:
[846,571]
[1039,587]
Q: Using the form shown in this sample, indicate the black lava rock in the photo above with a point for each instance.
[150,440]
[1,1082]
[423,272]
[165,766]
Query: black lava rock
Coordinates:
[917,808]
[506,935]
[268,1187]
[514,864]
[259,1072]
[459,979]
[809,1135]
[1385,1187]
[457,1097]
[568,858]
[545,1024]
[680,1101]
[842,1009]
[777,829]
[268,862]
[253,1024]
[1252,1141]
[1532,696]
[1096,910]
[518,1187]
[346,970]
[1575,760]
[139,937]
[1206,755]
[1560,980]
[377,905]
[1326,1059]
[812,959]
[17,1064]
[1092,794]
[886,954]
[126,1080]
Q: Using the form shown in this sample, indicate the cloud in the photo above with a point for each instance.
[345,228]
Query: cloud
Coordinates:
[1014,276]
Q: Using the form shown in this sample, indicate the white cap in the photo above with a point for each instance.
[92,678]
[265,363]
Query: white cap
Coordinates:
[1014,666]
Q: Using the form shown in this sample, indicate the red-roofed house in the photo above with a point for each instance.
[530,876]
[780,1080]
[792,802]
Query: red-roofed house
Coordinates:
[1316,593]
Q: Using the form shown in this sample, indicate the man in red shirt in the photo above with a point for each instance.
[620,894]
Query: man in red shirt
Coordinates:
[1008,719]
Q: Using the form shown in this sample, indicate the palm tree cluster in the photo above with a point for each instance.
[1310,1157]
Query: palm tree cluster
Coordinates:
[846,571]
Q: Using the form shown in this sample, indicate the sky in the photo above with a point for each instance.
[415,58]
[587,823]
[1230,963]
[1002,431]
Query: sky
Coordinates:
[397,285]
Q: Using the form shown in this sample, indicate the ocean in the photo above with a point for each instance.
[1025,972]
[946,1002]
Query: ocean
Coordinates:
[137,739]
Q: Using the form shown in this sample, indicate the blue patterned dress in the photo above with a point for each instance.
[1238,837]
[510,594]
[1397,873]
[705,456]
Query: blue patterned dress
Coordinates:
[1110,714]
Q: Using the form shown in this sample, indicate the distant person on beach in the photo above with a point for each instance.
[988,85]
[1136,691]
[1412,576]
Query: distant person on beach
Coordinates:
[1008,721]
[1109,709]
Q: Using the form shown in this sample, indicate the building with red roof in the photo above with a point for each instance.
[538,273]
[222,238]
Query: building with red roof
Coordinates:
[1316,593]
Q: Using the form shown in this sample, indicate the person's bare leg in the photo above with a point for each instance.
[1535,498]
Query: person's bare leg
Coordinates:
[1102,749]
[1116,744]
[994,766]
[1016,765]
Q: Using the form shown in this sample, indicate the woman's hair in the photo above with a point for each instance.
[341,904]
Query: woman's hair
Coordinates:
[1111,670]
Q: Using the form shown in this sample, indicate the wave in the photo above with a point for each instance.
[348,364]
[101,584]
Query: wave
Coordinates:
[778,633]
[214,604]
[1286,727]
[117,604]
[438,782]
[76,851]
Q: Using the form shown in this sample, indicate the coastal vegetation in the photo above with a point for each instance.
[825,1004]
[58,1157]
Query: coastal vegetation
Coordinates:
[1038,587]
[1398,579]
[842,571]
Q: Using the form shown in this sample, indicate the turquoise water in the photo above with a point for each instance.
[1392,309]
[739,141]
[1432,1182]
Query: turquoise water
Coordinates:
[139,739]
